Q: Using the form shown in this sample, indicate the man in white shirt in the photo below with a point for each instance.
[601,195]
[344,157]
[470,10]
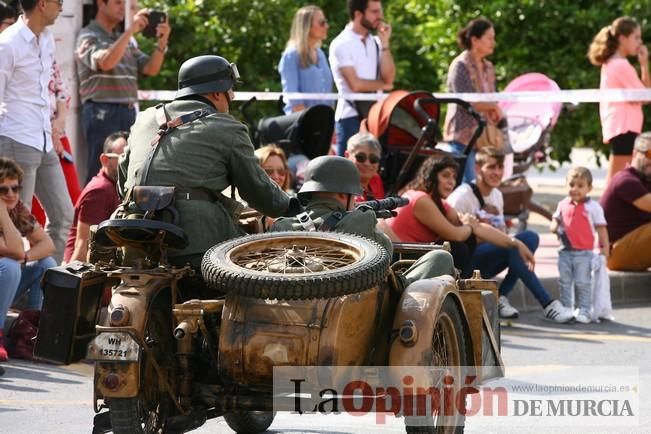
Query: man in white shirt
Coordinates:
[485,201]
[360,62]
[26,57]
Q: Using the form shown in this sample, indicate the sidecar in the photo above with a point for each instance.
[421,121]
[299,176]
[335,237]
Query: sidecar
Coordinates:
[170,355]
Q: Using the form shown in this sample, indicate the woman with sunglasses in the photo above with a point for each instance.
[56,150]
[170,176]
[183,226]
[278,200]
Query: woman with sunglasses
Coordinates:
[20,270]
[429,218]
[273,161]
[303,66]
[365,151]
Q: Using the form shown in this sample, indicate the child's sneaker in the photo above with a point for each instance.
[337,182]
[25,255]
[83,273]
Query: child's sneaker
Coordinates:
[583,317]
[505,309]
[556,312]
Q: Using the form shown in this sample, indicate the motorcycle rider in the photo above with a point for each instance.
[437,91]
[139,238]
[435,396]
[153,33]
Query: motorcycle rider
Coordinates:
[331,184]
[195,145]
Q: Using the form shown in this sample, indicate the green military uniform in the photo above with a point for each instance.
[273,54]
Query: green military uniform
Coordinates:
[432,264]
[209,154]
[354,222]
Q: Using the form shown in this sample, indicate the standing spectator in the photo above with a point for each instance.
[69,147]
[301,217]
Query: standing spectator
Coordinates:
[20,270]
[471,71]
[303,66]
[621,122]
[573,221]
[360,62]
[485,201]
[97,200]
[627,206]
[365,151]
[108,64]
[26,58]
[7,16]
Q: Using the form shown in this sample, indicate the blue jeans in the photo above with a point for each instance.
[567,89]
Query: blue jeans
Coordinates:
[16,280]
[344,129]
[574,267]
[98,121]
[492,260]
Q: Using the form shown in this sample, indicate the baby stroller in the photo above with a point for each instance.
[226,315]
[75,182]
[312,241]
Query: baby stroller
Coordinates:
[407,126]
[302,135]
[529,129]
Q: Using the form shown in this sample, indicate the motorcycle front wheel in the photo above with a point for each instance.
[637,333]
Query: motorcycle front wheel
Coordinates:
[148,412]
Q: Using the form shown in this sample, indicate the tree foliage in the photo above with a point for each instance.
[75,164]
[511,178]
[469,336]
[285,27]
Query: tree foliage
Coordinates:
[545,36]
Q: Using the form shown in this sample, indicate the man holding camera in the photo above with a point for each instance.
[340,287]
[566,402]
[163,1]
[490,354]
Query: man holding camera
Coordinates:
[109,64]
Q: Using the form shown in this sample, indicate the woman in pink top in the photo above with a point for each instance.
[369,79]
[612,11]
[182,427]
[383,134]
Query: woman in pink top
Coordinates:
[428,218]
[621,122]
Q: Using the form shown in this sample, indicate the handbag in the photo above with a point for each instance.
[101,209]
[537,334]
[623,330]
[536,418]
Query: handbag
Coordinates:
[491,136]
[517,193]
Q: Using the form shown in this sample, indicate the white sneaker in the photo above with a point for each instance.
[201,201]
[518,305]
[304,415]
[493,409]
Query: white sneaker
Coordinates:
[505,309]
[555,311]
[583,317]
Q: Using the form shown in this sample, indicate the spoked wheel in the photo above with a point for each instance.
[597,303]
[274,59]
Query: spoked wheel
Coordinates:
[148,412]
[449,355]
[249,422]
[295,265]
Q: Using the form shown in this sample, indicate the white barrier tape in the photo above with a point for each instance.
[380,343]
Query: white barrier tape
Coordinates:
[563,96]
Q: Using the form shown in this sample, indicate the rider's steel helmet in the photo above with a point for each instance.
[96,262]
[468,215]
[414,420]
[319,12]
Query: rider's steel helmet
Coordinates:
[205,74]
[332,175]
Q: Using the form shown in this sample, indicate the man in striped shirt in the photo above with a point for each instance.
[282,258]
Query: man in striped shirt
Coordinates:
[109,64]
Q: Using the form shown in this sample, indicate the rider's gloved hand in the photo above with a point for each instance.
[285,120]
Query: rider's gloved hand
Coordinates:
[294,207]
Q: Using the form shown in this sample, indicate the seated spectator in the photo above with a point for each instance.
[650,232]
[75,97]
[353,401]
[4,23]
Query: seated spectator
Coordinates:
[20,270]
[98,199]
[485,201]
[573,222]
[365,151]
[273,161]
[627,206]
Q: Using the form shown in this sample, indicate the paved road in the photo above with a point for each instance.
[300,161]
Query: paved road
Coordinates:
[37,398]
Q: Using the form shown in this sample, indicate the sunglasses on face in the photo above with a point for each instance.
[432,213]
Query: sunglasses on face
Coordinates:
[647,154]
[4,189]
[279,172]
[361,157]
[59,2]
[323,22]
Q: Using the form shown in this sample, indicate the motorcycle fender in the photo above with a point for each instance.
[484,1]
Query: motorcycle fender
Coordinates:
[137,300]
[421,303]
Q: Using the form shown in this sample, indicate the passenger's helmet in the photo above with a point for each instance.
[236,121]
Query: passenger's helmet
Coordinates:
[332,175]
[205,74]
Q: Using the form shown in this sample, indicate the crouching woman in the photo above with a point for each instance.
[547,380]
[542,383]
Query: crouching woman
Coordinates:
[21,269]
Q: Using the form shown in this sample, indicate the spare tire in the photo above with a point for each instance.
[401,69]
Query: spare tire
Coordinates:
[295,265]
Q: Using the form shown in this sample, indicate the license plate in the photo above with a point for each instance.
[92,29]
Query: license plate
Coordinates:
[114,347]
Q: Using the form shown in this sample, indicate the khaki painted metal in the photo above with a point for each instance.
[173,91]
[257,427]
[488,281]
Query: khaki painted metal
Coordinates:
[135,293]
[257,335]
[420,303]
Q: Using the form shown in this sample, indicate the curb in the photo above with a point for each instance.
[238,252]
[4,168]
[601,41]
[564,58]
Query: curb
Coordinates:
[626,287]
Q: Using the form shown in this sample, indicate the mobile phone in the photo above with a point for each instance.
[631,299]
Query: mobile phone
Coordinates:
[155,18]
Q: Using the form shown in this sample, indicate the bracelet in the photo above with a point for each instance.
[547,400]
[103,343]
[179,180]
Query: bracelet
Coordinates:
[514,242]
[162,50]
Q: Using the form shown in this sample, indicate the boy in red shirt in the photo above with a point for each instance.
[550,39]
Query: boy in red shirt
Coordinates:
[573,222]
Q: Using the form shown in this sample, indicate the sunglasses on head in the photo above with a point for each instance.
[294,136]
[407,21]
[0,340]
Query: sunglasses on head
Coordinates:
[4,189]
[361,157]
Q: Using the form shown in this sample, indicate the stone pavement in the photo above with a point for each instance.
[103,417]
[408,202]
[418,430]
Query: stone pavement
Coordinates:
[549,189]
